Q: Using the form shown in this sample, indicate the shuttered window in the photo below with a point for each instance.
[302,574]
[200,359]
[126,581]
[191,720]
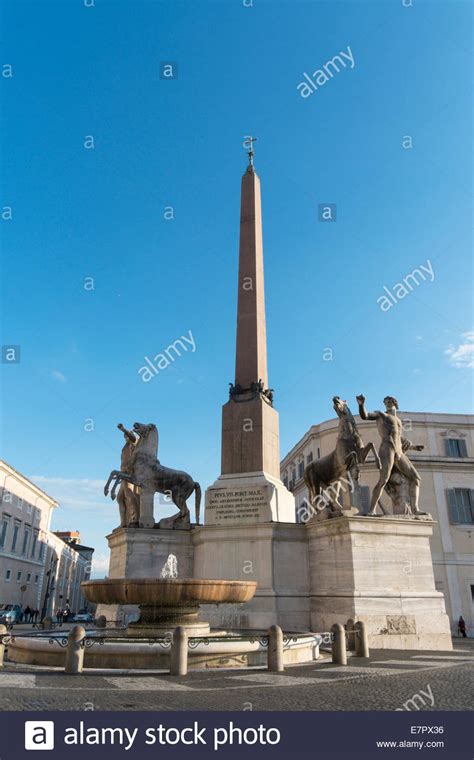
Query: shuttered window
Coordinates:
[461,506]
[456,447]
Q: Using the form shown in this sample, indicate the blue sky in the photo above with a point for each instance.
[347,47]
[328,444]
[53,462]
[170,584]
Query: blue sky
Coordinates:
[98,213]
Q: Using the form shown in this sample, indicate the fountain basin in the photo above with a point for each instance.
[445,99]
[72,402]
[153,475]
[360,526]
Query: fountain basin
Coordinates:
[166,603]
[114,651]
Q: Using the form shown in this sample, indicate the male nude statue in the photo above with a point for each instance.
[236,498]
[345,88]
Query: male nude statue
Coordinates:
[392,452]
[127,499]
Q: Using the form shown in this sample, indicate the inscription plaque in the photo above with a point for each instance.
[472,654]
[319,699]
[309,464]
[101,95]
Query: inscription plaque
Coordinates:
[233,505]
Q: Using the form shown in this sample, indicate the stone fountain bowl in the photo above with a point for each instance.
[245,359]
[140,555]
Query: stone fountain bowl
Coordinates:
[168,592]
[166,603]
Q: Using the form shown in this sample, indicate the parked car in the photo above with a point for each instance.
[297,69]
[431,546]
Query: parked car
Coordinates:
[83,617]
[10,613]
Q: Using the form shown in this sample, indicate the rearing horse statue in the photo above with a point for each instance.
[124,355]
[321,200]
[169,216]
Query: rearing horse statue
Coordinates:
[145,472]
[348,454]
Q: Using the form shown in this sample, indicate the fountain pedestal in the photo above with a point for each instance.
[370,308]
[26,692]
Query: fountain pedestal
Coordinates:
[143,553]
[161,621]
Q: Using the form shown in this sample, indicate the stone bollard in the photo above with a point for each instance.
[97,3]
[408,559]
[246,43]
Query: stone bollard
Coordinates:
[47,623]
[101,622]
[3,632]
[75,650]
[361,639]
[179,652]
[275,649]
[339,652]
[350,634]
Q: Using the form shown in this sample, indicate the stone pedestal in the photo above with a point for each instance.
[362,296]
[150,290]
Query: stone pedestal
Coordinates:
[250,436]
[379,570]
[142,553]
[273,554]
[248,498]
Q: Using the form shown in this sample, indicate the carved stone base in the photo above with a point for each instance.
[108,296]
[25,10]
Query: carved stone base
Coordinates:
[378,570]
[331,512]
[175,522]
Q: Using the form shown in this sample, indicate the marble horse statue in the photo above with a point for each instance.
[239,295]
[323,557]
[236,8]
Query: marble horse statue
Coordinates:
[325,474]
[145,472]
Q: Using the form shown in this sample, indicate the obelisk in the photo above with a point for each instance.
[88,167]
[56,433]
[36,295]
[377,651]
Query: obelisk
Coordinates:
[249,488]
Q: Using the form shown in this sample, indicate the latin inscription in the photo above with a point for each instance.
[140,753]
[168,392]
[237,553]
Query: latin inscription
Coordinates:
[235,504]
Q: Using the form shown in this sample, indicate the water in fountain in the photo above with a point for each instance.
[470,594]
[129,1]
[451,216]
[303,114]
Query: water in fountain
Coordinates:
[170,568]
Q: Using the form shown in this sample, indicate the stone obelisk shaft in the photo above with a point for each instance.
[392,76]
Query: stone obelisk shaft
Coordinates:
[249,490]
[251,348]
[250,439]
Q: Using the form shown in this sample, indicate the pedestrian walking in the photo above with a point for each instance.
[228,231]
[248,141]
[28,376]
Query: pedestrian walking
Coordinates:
[462,627]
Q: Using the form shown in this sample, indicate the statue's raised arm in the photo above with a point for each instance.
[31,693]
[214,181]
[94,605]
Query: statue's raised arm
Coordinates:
[364,414]
[128,433]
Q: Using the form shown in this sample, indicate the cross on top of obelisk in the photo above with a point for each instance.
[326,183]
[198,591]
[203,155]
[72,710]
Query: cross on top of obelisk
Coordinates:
[251,140]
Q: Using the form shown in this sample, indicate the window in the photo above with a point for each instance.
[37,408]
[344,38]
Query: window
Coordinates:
[293,474]
[41,551]
[28,578]
[36,578]
[18,576]
[4,530]
[29,509]
[285,482]
[301,469]
[456,447]
[33,543]
[19,503]
[461,506]
[309,458]
[26,540]
[16,530]
[319,453]
[8,575]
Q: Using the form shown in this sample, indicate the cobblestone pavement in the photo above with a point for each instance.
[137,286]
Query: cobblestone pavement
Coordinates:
[388,681]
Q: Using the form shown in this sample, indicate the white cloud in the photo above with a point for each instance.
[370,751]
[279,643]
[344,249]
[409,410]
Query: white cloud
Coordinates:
[76,494]
[58,376]
[100,565]
[462,356]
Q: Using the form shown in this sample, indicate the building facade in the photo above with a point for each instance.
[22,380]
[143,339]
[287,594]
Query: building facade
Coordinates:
[38,568]
[446,467]
[68,564]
